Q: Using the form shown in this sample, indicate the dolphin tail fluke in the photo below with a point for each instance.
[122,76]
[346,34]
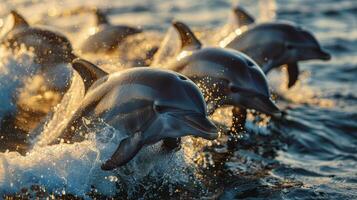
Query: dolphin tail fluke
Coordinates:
[188,39]
[293,73]
[19,20]
[127,149]
[88,71]
[101,17]
[242,17]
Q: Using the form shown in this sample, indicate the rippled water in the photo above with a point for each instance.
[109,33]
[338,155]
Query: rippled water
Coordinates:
[311,154]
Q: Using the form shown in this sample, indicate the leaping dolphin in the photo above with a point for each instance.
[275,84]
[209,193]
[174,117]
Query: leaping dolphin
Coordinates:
[275,44]
[107,36]
[147,104]
[226,77]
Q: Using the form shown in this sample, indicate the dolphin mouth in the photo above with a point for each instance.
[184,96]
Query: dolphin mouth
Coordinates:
[201,123]
[324,55]
[264,105]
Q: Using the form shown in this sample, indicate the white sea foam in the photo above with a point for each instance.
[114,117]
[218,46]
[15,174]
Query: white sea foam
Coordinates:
[72,168]
[75,168]
[14,69]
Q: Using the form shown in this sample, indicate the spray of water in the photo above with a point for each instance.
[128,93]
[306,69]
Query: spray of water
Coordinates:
[14,69]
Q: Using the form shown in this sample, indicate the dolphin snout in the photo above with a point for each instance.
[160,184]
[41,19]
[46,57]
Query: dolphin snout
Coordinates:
[204,127]
[264,105]
[324,55]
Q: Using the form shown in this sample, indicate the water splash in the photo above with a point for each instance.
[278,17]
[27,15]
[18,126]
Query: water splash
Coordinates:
[75,168]
[14,69]
[69,168]
[300,93]
[169,48]
[311,125]
[61,115]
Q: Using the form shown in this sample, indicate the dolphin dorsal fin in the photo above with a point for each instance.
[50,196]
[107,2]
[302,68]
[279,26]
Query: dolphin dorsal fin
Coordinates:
[18,20]
[242,17]
[101,17]
[88,71]
[188,39]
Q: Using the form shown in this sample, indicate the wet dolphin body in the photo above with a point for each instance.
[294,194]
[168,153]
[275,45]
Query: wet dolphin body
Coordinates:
[147,104]
[226,77]
[107,37]
[52,52]
[50,48]
[275,44]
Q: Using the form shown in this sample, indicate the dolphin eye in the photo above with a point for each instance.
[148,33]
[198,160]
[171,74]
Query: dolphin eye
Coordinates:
[234,89]
[158,108]
[250,63]
[161,108]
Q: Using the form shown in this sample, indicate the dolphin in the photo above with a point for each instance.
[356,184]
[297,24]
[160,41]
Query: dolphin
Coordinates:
[52,52]
[275,44]
[147,104]
[52,49]
[226,77]
[107,36]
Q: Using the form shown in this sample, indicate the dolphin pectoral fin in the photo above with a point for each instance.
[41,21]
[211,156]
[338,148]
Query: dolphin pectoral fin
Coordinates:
[101,18]
[293,73]
[242,17]
[188,39]
[19,20]
[88,71]
[126,151]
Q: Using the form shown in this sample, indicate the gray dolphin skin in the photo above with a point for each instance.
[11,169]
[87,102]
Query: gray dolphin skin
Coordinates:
[275,44]
[50,47]
[147,104]
[226,77]
[107,37]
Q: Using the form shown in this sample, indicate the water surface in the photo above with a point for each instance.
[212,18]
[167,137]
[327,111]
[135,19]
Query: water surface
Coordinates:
[311,154]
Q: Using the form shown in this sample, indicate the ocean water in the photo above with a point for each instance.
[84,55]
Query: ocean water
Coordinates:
[310,154]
